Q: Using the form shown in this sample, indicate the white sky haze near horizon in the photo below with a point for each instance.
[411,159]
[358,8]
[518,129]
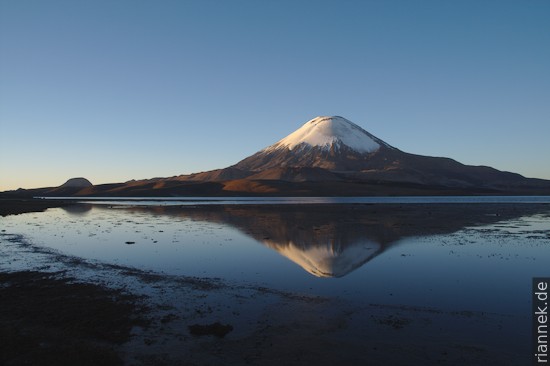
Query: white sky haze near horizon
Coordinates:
[120,90]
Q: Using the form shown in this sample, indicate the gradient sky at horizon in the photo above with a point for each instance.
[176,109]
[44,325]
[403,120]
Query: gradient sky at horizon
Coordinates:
[119,90]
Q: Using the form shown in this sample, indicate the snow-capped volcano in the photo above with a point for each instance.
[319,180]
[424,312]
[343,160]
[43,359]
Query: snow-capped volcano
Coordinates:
[332,143]
[329,133]
[333,149]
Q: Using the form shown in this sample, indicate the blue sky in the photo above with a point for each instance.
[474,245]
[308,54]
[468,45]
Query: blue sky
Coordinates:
[120,90]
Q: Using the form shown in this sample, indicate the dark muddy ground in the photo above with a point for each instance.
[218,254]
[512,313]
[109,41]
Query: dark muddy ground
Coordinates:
[47,319]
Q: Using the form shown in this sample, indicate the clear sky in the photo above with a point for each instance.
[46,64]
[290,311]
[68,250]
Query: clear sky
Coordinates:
[118,90]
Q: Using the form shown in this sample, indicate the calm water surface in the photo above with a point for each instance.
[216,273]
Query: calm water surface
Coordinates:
[450,258]
[309,200]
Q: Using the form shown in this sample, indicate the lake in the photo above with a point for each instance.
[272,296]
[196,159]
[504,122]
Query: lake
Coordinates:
[456,254]
[450,256]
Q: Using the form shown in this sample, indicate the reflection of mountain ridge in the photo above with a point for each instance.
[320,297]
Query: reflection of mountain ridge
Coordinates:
[77,209]
[333,240]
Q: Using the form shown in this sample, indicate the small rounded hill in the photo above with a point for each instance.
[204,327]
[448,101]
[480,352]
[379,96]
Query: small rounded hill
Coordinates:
[77,182]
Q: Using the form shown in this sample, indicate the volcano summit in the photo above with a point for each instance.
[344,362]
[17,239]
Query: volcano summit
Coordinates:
[328,132]
[330,156]
[332,143]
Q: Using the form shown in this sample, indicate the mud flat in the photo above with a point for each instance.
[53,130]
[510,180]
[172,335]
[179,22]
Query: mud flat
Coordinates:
[48,319]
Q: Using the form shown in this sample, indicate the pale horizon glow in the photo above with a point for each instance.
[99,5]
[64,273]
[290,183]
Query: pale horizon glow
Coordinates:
[114,91]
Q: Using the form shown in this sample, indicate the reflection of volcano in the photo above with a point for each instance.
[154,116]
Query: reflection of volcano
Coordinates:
[325,259]
[332,240]
[326,241]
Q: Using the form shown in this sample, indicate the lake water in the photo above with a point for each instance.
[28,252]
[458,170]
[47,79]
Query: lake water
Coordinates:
[307,200]
[463,257]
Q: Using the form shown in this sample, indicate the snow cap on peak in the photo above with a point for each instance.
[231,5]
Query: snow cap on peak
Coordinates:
[326,131]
